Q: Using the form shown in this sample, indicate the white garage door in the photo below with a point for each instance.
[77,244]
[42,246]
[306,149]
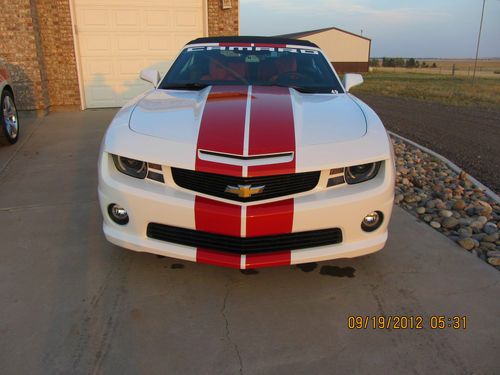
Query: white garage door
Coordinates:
[118,38]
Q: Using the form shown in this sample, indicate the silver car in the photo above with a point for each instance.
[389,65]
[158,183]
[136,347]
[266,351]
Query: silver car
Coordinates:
[9,121]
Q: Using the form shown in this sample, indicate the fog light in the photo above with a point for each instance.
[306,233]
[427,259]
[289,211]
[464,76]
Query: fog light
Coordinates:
[372,221]
[118,214]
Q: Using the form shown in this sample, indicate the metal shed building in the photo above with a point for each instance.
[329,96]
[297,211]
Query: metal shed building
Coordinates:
[347,51]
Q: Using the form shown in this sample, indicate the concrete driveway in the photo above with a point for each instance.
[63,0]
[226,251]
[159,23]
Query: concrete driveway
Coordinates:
[72,303]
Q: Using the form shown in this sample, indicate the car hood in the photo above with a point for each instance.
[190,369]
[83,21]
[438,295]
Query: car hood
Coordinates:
[316,118]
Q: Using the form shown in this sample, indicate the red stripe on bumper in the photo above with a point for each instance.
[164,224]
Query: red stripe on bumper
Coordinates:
[222,127]
[272,128]
[217,217]
[279,258]
[218,258]
[270,218]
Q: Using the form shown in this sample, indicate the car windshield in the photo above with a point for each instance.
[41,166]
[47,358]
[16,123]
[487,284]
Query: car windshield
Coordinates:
[301,68]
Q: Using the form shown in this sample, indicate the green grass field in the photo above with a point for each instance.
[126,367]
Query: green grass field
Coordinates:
[453,90]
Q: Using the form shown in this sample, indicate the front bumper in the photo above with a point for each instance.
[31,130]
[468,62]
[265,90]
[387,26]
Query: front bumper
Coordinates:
[341,207]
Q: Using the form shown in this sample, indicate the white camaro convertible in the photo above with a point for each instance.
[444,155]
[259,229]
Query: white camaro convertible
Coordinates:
[248,153]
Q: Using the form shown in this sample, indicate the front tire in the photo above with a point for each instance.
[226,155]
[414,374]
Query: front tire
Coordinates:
[9,120]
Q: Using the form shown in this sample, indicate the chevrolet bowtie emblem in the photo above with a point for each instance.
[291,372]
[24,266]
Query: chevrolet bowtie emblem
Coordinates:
[244,191]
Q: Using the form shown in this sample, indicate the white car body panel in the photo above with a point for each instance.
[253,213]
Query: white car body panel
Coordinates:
[330,131]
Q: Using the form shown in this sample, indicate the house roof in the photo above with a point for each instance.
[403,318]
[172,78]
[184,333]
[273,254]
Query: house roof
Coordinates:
[317,31]
[253,39]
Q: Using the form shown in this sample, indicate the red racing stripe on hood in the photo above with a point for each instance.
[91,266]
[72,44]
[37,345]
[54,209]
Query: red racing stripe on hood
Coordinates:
[222,127]
[272,128]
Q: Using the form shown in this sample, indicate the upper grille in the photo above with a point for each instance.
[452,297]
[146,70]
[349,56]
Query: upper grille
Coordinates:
[216,184]
[244,245]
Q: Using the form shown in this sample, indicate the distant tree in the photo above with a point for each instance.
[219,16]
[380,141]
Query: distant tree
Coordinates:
[424,64]
[393,61]
[387,62]
[374,62]
[434,65]
[411,63]
[399,61]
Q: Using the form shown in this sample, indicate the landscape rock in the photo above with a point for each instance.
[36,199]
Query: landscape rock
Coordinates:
[476,224]
[490,228]
[482,219]
[435,225]
[467,243]
[465,232]
[431,204]
[484,208]
[488,245]
[445,213]
[449,223]
[447,201]
[459,204]
[492,237]
[494,261]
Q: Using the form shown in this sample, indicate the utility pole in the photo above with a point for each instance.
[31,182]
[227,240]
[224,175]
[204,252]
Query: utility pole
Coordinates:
[478,40]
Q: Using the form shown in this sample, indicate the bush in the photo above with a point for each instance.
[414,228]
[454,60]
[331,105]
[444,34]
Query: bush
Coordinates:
[393,62]
[411,63]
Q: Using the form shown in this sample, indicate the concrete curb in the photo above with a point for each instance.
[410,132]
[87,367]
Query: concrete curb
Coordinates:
[490,193]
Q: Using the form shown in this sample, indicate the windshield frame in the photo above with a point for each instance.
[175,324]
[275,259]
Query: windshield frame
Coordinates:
[235,45]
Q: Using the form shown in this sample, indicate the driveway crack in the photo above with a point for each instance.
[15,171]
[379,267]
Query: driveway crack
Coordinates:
[228,330]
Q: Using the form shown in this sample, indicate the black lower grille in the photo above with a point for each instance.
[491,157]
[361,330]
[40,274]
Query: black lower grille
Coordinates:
[244,245]
[274,186]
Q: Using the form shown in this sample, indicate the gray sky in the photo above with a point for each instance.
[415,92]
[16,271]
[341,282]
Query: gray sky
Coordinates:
[419,28]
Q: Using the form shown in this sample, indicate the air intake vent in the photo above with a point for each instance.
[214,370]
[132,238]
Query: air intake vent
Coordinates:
[244,245]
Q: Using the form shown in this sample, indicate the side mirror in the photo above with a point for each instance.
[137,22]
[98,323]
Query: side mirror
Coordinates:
[150,75]
[350,80]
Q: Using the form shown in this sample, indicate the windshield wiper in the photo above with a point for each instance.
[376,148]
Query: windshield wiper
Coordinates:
[313,90]
[306,90]
[185,86]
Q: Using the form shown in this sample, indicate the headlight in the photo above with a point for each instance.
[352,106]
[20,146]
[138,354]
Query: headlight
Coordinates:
[131,167]
[361,173]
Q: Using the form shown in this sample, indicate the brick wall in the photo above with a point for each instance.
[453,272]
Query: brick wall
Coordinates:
[222,21]
[59,62]
[36,45]
[19,52]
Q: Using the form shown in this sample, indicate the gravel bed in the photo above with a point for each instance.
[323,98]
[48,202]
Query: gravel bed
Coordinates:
[467,136]
[448,201]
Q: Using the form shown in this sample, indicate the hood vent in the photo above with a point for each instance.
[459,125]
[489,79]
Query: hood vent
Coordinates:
[250,160]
